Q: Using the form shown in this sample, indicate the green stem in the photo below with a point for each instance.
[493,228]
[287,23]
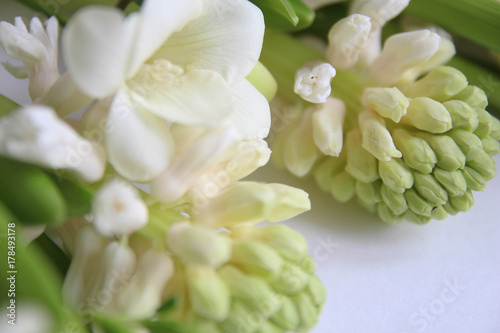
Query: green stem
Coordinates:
[7,105]
[44,7]
[477,20]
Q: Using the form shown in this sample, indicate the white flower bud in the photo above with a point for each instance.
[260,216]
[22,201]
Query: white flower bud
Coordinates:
[327,122]
[403,52]
[376,138]
[35,134]
[346,40]
[312,82]
[380,11]
[118,209]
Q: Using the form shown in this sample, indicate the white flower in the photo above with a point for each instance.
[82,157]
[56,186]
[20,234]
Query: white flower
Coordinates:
[118,209]
[327,122]
[174,61]
[36,48]
[35,134]
[312,82]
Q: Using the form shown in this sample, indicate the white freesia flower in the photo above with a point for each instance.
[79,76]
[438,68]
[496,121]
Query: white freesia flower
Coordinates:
[118,209]
[36,48]
[174,61]
[35,134]
[312,82]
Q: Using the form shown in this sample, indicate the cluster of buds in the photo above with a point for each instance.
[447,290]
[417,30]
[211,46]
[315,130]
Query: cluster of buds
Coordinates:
[407,137]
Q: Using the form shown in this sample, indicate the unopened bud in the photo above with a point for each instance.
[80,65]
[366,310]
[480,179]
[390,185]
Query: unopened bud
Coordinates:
[439,213]
[484,164]
[316,291]
[463,203]
[468,142]
[449,155]
[428,115]
[413,217]
[395,201]
[380,11]
[417,153]
[376,138]
[307,312]
[474,180]
[360,163]
[491,146]
[396,175]
[288,317]
[418,204]
[290,201]
[485,123]
[327,122]
[387,102]
[385,213]
[474,96]
[462,115]
[439,84]
[293,279]
[257,258]
[329,167]
[453,181]
[369,192]
[343,186]
[429,188]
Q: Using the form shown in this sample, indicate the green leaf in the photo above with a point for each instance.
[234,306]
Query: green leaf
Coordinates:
[165,327]
[59,259]
[168,305]
[285,15]
[113,325]
[7,105]
[77,196]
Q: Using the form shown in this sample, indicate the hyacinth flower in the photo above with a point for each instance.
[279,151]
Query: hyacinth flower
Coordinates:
[402,133]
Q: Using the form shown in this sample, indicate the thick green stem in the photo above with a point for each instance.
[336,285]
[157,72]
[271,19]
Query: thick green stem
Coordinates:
[477,20]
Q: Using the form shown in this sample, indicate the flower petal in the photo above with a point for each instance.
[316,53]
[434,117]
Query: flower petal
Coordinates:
[198,97]
[96,44]
[252,116]
[138,143]
[226,39]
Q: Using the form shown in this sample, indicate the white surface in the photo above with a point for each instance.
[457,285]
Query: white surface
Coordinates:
[438,278]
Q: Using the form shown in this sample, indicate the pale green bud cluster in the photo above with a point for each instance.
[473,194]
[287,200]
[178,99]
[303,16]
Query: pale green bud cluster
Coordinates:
[415,152]
[263,282]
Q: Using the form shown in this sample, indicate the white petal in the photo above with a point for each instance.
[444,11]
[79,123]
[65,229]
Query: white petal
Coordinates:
[198,97]
[312,82]
[227,39]
[18,72]
[327,122]
[138,143]
[96,44]
[186,168]
[252,115]
[380,11]
[158,20]
[19,44]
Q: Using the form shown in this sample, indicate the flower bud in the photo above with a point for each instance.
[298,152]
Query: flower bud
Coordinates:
[462,115]
[395,201]
[428,115]
[288,317]
[327,122]
[485,123]
[360,163]
[474,96]
[417,153]
[491,146]
[452,181]
[430,189]
[439,84]
[324,172]
[412,217]
[198,246]
[293,279]
[369,192]
[258,259]
[142,296]
[468,142]
[474,180]
[316,291]
[495,128]
[240,202]
[396,175]
[449,155]
[346,40]
[448,207]
[439,213]
[307,311]
[484,165]
[376,138]
[402,52]
[290,202]
[464,202]
[209,296]
[380,11]
[417,204]
[385,213]
[312,82]
[387,102]
[343,186]
[118,209]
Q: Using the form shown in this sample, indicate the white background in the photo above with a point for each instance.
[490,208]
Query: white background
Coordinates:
[438,278]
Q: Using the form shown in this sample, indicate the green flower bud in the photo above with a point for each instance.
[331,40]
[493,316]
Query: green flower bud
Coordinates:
[417,204]
[198,246]
[396,175]
[290,201]
[325,171]
[267,327]
[449,155]
[474,96]
[316,290]
[428,115]
[491,146]
[253,291]
[369,192]
[495,128]
[240,319]
[209,296]
[387,102]
[485,123]
[440,84]
[360,163]
[453,181]
[395,201]
[372,208]
[288,317]
[469,143]
[293,279]
[483,164]
[343,186]
[417,153]
[257,258]
[385,213]
[463,203]
[462,115]
[439,213]
[307,312]
[429,188]
[412,217]
[448,207]
[376,138]
[473,179]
